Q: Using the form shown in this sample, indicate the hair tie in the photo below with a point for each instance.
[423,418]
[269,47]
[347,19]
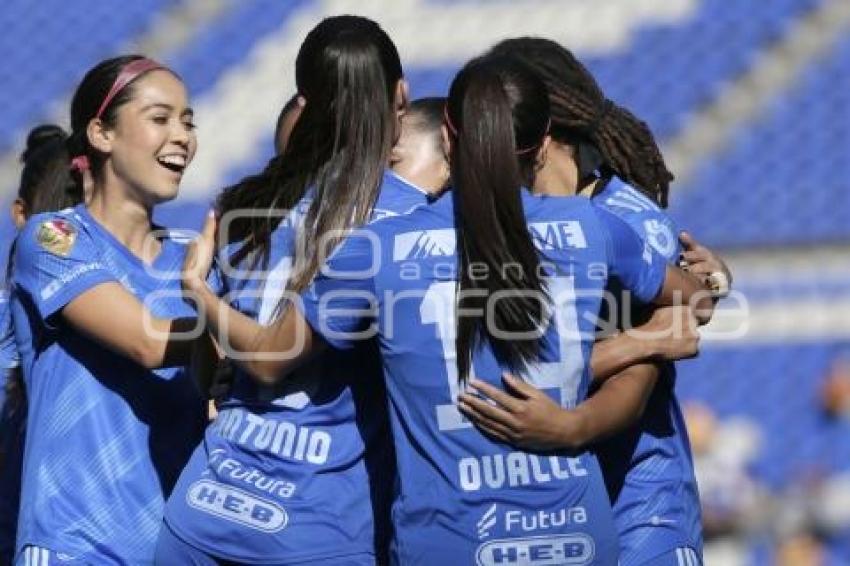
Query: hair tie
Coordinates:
[604,109]
[80,164]
[128,74]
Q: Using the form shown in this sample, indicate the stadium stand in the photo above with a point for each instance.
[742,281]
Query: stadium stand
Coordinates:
[687,64]
[784,174]
[46,48]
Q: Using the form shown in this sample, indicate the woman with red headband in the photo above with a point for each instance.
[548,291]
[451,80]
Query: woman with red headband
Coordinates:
[113,414]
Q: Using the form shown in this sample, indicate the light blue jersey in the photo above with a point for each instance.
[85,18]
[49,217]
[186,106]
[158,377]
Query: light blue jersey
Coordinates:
[109,437]
[649,469]
[12,422]
[464,499]
[301,473]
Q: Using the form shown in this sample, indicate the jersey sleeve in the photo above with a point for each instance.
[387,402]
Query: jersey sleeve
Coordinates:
[55,262]
[662,234]
[341,304]
[632,259]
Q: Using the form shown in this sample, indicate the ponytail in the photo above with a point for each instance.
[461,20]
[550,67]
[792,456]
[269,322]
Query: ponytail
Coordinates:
[498,116]
[46,181]
[347,70]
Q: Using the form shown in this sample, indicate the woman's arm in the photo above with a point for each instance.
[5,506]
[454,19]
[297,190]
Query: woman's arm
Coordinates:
[267,352]
[59,270]
[646,274]
[150,341]
[669,335]
[527,418]
[204,364]
[683,288]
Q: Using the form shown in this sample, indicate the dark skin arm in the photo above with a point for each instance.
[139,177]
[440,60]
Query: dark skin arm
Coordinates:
[527,418]
[669,335]
[624,365]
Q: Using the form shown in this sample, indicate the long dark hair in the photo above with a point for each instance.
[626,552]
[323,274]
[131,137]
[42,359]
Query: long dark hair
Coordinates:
[45,184]
[582,114]
[497,114]
[347,70]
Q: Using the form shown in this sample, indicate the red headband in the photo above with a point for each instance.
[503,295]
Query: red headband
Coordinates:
[453,131]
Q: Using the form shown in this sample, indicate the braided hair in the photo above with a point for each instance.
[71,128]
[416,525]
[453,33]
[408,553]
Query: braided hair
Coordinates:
[608,137]
[497,114]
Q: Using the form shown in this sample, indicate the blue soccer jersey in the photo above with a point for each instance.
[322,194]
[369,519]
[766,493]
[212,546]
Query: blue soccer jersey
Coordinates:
[12,421]
[648,468]
[109,437]
[301,473]
[464,499]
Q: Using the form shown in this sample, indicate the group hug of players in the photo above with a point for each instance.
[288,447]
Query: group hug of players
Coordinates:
[407,298]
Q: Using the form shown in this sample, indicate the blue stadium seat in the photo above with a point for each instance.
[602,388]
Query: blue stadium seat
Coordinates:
[786,174]
[686,65]
[43,56]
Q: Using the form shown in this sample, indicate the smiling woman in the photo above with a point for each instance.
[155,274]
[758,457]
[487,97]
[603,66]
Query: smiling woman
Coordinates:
[115,413]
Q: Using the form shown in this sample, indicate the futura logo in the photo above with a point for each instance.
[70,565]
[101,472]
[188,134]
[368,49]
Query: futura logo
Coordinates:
[487,522]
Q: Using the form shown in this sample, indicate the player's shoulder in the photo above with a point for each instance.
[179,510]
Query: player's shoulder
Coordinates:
[620,196]
[648,219]
[175,245]
[419,214]
[74,217]
[57,232]
[387,237]
[397,196]
[547,208]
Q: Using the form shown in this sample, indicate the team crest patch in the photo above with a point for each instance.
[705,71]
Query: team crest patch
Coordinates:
[57,236]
